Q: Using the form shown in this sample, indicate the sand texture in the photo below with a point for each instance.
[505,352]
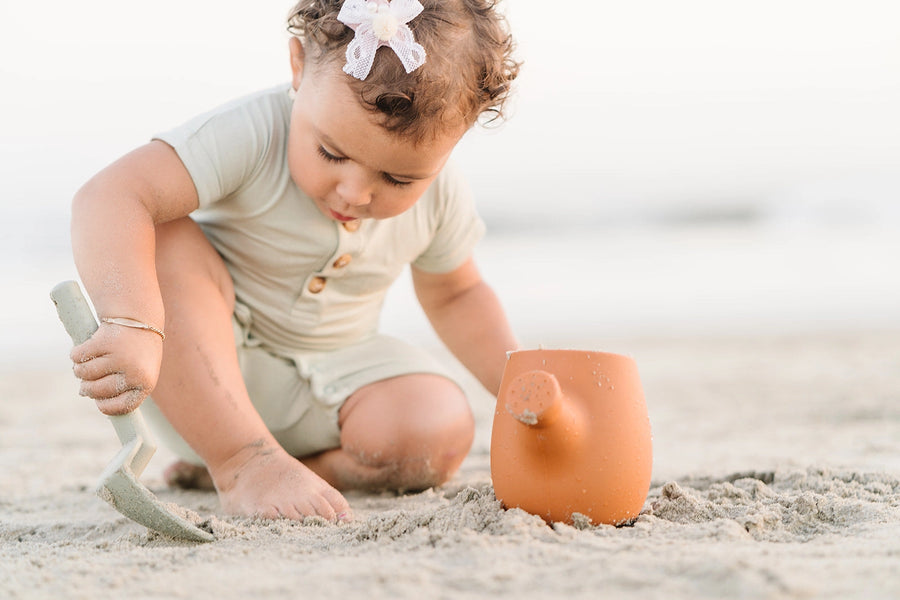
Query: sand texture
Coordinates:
[776,475]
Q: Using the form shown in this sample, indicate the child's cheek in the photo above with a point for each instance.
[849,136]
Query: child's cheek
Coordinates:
[304,174]
[397,201]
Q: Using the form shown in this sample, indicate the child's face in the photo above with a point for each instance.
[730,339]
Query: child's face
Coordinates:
[342,159]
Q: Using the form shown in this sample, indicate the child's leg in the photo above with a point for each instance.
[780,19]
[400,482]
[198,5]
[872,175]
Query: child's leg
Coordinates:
[202,394]
[188,476]
[409,432]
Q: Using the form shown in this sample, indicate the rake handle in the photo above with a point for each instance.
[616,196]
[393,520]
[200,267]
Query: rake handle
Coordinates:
[80,324]
[74,312]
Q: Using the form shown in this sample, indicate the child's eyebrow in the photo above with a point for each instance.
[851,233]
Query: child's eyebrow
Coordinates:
[337,149]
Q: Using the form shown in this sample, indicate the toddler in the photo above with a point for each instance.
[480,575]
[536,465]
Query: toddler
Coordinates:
[238,264]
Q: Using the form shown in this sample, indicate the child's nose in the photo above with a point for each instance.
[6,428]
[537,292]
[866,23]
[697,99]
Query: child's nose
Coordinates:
[355,190]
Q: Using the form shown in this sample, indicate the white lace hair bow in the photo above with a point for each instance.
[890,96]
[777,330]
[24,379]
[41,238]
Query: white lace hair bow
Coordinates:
[380,23]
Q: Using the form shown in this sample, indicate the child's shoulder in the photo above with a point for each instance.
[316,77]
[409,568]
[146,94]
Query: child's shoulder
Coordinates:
[239,142]
[263,108]
[276,95]
[273,101]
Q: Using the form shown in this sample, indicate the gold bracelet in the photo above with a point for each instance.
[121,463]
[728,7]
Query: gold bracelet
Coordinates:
[126,322]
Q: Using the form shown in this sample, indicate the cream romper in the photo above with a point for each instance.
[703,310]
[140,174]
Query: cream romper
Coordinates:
[309,289]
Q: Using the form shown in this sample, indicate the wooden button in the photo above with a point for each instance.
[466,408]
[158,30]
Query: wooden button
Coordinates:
[316,285]
[351,226]
[342,261]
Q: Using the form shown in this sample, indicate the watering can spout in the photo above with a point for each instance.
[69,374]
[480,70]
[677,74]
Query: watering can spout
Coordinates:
[536,400]
[550,423]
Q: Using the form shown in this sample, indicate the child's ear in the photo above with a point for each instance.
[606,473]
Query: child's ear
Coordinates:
[298,57]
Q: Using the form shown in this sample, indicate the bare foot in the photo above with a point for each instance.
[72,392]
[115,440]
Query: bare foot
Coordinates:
[267,482]
[186,476]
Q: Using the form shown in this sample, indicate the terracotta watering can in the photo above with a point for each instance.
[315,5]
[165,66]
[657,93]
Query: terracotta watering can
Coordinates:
[571,435]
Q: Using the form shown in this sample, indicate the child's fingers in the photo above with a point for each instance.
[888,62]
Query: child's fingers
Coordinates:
[104,377]
[114,393]
[94,368]
[121,404]
[107,386]
[110,339]
[85,352]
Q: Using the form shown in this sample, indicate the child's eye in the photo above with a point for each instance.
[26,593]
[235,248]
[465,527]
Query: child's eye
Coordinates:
[329,156]
[394,182]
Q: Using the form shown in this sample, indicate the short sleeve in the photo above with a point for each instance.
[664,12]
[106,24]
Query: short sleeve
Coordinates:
[458,227]
[223,148]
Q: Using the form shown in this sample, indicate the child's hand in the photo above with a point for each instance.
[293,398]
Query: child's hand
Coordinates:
[272,484]
[118,367]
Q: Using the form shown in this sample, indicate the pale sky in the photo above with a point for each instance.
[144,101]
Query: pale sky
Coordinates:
[618,101]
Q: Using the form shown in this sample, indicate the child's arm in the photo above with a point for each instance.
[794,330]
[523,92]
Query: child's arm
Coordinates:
[113,242]
[467,316]
[114,218]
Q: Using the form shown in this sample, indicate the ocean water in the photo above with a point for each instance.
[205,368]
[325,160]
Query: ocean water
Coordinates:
[591,285]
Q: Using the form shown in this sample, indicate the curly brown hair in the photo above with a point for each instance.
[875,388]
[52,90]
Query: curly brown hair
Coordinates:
[467,75]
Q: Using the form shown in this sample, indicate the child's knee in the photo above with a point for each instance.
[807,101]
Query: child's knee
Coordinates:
[434,450]
[445,444]
[421,447]
[440,431]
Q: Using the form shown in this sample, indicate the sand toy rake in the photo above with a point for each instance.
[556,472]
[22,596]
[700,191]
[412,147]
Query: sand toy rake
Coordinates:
[119,485]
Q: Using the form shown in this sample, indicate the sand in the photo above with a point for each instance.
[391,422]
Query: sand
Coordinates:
[776,475]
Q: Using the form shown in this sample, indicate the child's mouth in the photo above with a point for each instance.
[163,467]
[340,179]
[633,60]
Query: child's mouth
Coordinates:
[338,216]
